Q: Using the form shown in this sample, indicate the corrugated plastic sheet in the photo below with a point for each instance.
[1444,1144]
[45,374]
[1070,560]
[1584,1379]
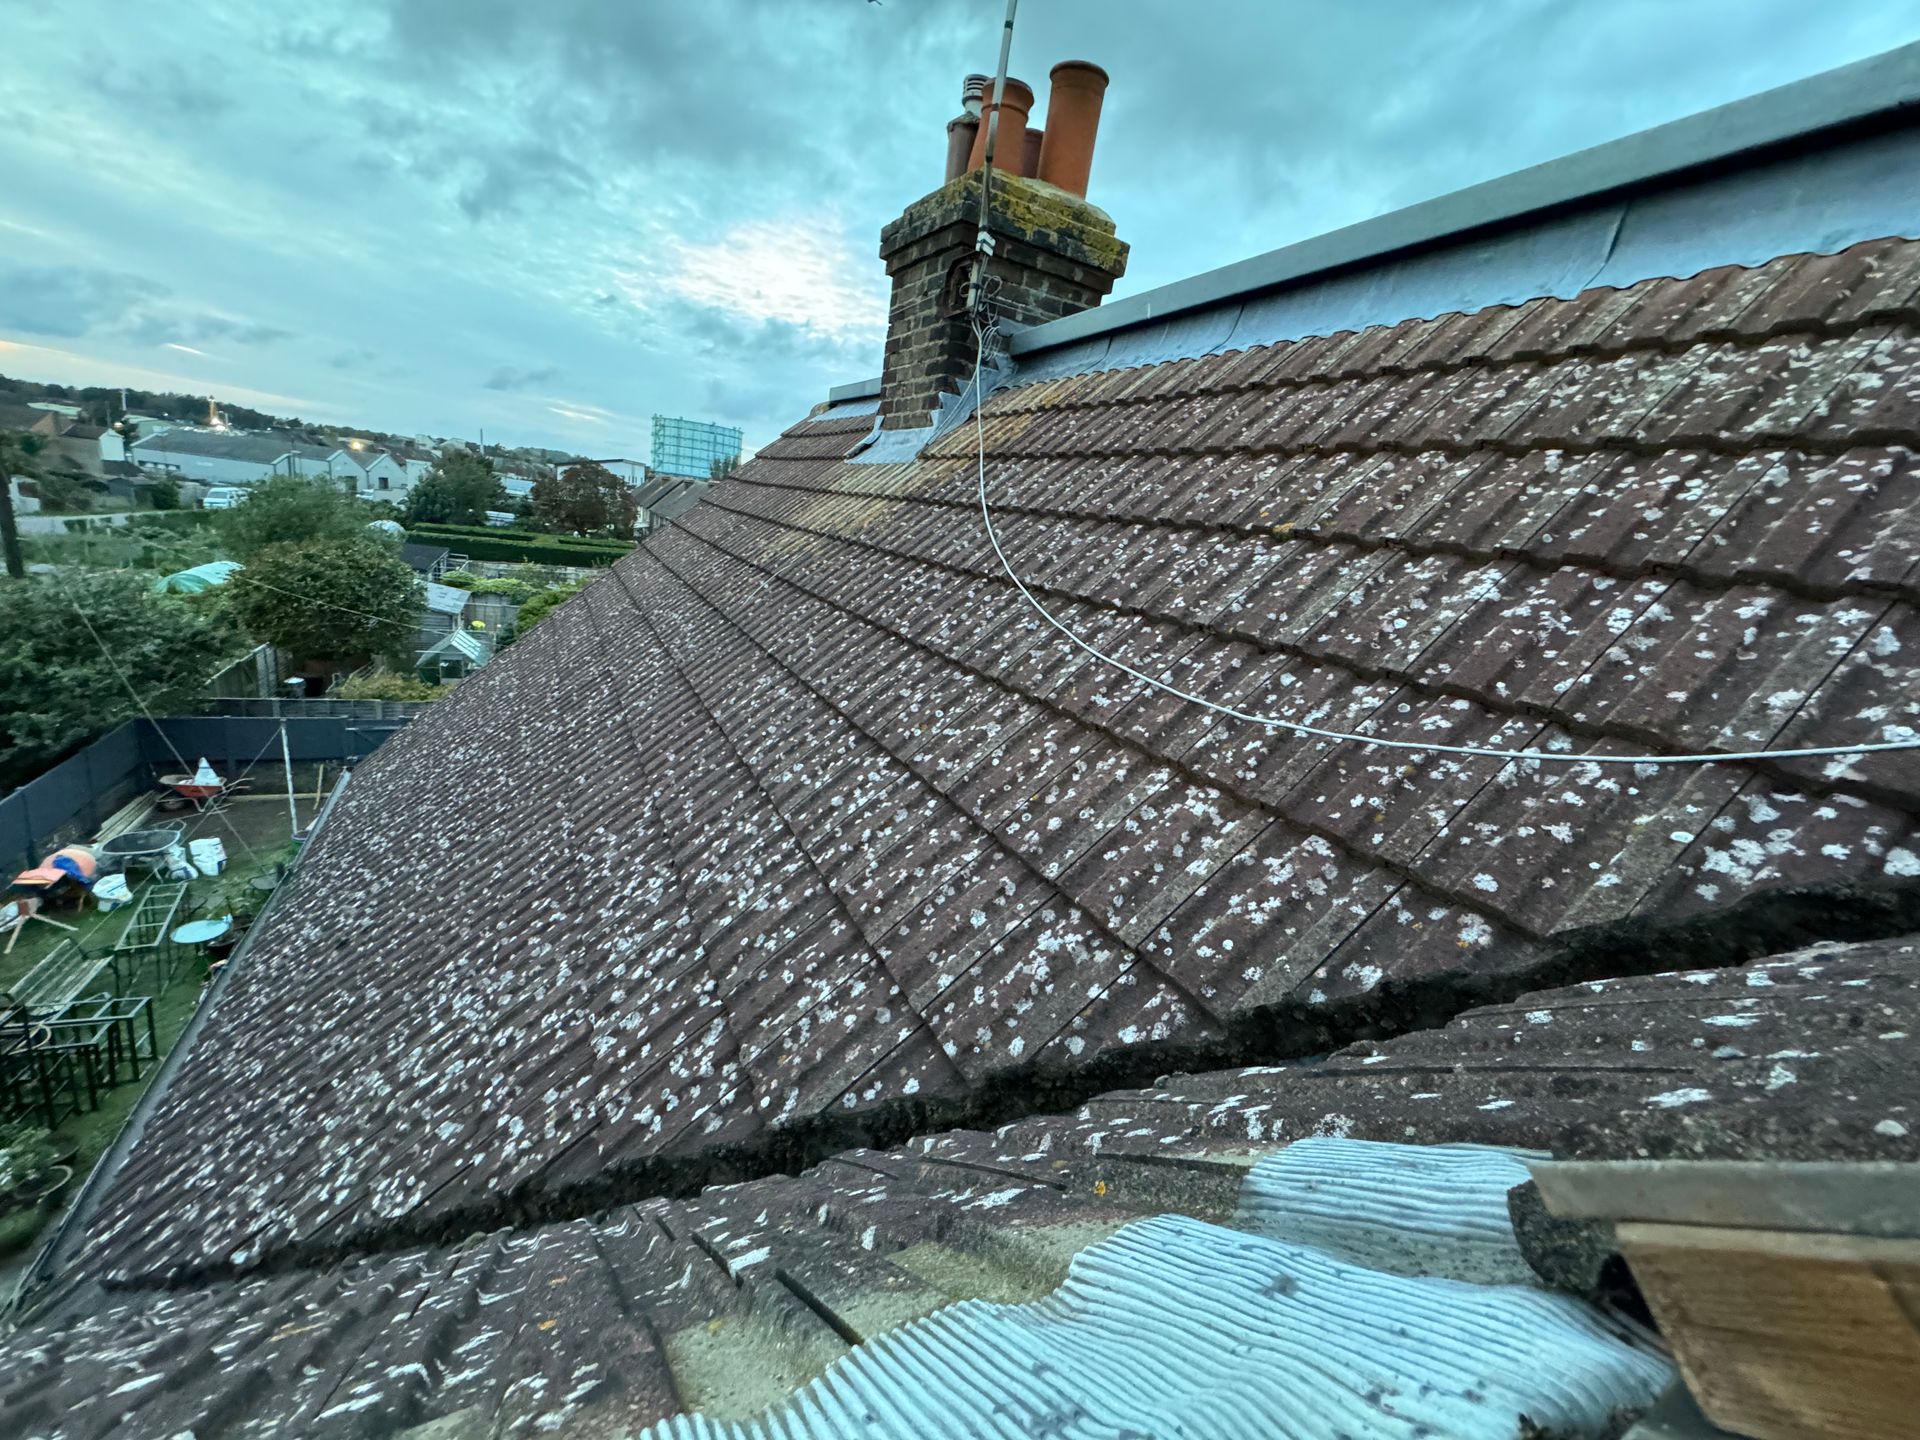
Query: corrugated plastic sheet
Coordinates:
[1410,1209]
[801,822]
[1177,1328]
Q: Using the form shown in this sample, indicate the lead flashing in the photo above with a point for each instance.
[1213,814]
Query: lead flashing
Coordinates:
[1881,92]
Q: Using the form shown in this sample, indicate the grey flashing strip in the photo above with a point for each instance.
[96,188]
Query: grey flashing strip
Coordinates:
[1880,92]
[63,1238]
[857,390]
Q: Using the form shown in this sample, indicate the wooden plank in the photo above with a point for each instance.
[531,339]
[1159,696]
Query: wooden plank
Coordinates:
[127,817]
[1880,1197]
[1788,1336]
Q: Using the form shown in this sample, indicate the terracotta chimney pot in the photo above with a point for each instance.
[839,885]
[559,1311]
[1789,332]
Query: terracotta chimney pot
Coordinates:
[1016,106]
[1030,153]
[961,132]
[1073,119]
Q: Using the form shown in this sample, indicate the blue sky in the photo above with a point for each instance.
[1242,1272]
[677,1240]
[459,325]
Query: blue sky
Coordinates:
[553,220]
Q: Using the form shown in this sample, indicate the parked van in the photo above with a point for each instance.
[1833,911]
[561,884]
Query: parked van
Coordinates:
[223,497]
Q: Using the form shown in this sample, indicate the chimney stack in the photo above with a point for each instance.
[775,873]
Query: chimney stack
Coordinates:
[1054,254]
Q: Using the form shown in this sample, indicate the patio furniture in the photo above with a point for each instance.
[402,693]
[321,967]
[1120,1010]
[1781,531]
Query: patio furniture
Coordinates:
[84,1041]
[152,918]
[15,914]
[145,848]
[34,1078]
[135,1036]
[201,935]
[67,972]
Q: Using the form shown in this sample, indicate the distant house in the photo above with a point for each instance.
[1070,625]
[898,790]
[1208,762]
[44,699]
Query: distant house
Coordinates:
[634,474]
[518,479]
[381,476]
[666,497]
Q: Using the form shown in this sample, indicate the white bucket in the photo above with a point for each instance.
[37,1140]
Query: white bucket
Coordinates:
[112,892]
[209,855]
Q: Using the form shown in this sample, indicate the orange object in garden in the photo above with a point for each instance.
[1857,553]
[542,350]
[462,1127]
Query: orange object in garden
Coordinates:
[75,860]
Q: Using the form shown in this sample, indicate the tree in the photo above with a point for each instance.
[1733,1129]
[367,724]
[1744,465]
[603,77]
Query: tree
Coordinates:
[723,466]
[330,599]
[583,498]
[459,490]
[290,510]
[543,604]
[57,685]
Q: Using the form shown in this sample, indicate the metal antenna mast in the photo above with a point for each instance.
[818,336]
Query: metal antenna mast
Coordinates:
[983,241]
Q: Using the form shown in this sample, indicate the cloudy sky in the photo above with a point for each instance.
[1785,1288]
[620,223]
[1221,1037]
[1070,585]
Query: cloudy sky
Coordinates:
[554,218]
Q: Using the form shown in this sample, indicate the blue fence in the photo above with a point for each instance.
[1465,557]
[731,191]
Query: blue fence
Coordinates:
[70,801]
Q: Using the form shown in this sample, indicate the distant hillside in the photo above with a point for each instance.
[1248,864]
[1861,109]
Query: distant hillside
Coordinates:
[97,400]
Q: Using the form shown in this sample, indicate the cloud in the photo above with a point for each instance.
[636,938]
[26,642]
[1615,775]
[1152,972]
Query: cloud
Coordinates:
[795,273]
[506,377]
[68,300]
[359,197]
[165,87]
[176,328]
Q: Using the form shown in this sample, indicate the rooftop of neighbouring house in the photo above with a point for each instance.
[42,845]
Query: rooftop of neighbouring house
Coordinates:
[802,831]
[258,446]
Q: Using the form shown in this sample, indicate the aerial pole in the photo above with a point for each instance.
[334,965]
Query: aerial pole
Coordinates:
[9,535]
[9,532]
[983,242]
[286,760]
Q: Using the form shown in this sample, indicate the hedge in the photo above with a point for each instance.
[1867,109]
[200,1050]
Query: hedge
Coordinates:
[482,542]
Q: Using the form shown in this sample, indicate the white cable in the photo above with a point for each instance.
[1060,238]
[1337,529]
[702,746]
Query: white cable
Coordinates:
[1274,722]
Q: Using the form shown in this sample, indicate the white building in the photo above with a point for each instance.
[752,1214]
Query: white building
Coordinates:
[226,457]
[381,477]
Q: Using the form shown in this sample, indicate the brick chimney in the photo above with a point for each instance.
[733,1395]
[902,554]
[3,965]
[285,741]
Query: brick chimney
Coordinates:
[1054,255]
